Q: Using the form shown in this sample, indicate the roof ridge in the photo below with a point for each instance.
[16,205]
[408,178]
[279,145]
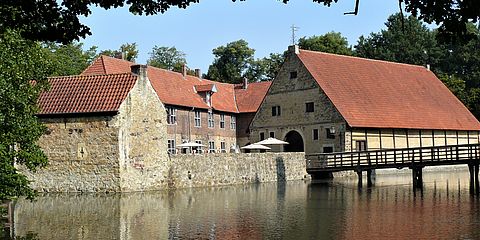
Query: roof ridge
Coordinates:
[362,58]
[91,75]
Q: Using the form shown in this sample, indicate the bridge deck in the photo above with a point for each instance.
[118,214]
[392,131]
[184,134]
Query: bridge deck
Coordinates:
[393,158]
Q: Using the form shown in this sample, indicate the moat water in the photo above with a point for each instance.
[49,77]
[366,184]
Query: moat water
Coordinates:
[294,210]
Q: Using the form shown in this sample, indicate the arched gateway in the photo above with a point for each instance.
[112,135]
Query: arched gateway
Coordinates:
[295,141]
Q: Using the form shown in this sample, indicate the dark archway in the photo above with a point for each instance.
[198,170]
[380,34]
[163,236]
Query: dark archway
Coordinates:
[295,141]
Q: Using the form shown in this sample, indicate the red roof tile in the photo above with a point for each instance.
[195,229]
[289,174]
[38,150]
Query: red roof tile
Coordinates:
[86,94]
[249,100]
[205,88]
[174,89]
[380,94]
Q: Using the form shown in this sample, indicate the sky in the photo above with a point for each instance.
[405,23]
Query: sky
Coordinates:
[264,24]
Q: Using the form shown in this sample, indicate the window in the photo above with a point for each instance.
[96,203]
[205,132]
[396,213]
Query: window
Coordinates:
[276,111]
[211,146]
[171,115]
[330,133]
[309,107]
[233,122]
[272,134]
[328,149]
[262,136]
[199,149]
[222,147]
[211,121]
[222,120]
[361,145]
[315,134]
[198,119]
[171,146]
[293,75]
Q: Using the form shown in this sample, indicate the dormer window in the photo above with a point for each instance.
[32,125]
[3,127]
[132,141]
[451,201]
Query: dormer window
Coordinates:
[206,91]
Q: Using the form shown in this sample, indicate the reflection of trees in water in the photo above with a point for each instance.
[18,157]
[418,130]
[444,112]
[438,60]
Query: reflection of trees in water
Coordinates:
[282,210]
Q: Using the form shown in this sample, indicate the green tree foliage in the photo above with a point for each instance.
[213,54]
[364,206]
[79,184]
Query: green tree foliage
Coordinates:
[332,42]
[264,69]
[21,62]
[231,62]
[169,58]
[58,20]
[69,59]
[407,41]
[127,51]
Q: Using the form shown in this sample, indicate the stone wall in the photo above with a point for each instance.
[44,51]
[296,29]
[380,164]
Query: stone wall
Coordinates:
[234,168]
[142,139]
[82,154]
[292,95]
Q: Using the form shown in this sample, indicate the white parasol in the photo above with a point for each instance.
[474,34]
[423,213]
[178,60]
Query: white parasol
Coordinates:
[256,146]
[272,141]
[190,144]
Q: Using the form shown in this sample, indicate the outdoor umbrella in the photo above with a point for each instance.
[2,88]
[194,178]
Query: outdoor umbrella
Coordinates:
[256,146]
[272,141]
[190,144]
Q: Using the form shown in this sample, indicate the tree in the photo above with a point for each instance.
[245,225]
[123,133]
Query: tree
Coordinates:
[231,62]
[69,59]
[127,51]
[167,58]
[264,69]
[410,42]
[332,42]
[21,62]
[52,20]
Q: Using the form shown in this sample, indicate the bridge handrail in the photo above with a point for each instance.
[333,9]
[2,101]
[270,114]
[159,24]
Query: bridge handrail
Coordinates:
[398,156]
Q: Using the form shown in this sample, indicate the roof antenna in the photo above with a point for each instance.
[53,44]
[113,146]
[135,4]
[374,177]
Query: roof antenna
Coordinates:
[294,29]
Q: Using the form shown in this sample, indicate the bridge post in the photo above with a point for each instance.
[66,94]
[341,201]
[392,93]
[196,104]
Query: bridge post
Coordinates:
[474,182]
[359,174]
[417,177]
[369,178]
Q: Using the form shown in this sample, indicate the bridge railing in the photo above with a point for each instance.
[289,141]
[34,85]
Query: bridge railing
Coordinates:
[392,157]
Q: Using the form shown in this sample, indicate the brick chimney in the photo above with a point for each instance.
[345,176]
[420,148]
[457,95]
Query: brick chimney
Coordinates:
[184,70]
[294,49]
[198,73]
[139,69]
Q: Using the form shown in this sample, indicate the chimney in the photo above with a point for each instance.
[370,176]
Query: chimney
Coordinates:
[245,83]
[120,55]
[184,70]
[428,67]
[198,73]
[294,49]
[139,69]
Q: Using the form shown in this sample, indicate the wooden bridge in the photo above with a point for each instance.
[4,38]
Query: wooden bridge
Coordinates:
[323,164]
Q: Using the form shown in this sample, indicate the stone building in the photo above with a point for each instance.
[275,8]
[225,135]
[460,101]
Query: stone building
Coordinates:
[211,113]
[322,102]
[104,133]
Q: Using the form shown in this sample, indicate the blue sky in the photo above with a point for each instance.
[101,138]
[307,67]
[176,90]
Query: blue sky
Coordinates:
[264,24]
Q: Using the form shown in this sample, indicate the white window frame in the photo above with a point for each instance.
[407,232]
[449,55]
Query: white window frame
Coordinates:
[233,122]
[211,146]
[198,118]
[223,147]
[200,149]
[171,116]
[222,121]
[211,120]
[171,149]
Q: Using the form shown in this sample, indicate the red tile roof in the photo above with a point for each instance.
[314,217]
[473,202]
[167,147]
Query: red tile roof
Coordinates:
[86,94]
[249,100]
[174,89]
[205,88]
[380,94]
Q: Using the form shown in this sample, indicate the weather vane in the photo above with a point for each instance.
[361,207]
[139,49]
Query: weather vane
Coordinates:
[294,29]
